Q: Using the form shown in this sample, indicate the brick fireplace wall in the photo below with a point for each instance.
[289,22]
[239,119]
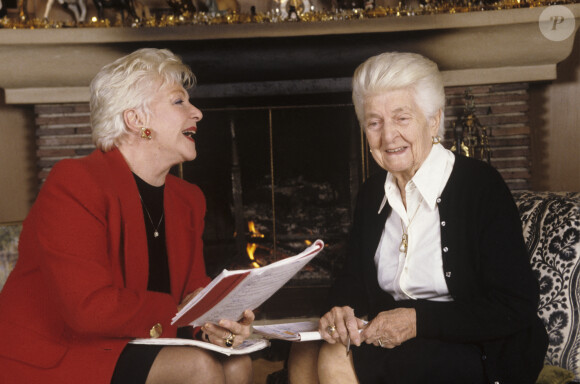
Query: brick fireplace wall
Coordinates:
[503,110]
[63,130]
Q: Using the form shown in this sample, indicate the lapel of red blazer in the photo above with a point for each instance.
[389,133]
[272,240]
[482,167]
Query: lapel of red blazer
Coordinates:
[132,253]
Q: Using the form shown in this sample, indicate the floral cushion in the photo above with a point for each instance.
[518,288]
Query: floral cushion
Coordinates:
[551,225]
[9,234]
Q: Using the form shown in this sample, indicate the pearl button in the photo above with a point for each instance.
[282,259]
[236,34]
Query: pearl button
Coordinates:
[443,223]
[438,200]
[445,249]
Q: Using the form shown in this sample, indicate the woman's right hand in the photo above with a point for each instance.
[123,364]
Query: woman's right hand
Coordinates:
[339,324]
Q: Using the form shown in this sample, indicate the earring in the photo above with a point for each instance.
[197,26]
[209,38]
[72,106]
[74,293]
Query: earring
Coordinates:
[435,139]
[145,133]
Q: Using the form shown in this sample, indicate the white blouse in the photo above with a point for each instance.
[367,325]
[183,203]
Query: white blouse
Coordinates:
[419,273]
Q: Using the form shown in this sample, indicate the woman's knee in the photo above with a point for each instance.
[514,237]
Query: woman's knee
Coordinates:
[186,365]
[238,369]
[303,363]
[334,365]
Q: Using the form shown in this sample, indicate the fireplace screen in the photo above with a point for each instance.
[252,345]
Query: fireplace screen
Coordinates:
[275,180]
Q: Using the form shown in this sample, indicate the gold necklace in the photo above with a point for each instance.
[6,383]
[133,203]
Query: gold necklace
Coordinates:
[405,238]
[155,229]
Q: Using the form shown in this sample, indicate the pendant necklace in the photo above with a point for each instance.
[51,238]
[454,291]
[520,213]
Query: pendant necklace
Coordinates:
[405,238]
[155,229]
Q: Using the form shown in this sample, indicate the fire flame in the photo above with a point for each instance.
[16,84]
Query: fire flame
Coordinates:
[251,247]
[254,233]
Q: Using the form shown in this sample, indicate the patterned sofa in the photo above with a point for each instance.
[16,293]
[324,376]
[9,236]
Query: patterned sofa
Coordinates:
[551,225]
[9,234]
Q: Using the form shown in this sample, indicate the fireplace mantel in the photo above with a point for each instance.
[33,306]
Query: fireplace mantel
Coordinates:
[57,65]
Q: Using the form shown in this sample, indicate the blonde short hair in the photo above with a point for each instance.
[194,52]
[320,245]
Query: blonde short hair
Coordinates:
[398,70]
[129,83]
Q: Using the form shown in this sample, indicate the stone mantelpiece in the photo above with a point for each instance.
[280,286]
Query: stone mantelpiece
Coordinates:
[491,47]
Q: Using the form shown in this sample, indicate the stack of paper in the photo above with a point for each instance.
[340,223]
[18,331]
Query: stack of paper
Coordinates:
[300,331]
[233,292]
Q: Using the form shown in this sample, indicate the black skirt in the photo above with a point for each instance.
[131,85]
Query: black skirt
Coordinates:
[135,363]
[419,361]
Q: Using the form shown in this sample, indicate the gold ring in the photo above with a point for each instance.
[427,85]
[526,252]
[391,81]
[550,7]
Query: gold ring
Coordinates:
[380,343]
[331,329]
[229,341]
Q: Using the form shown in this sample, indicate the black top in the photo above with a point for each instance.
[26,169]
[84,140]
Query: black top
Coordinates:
[153,213]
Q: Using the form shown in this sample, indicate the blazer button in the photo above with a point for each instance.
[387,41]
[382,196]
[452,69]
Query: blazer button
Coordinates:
[156,331]
[443,223]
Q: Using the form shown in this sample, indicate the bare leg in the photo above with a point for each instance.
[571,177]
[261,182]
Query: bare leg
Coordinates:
[238,369]
[334,367]
[186,365]
[303,363]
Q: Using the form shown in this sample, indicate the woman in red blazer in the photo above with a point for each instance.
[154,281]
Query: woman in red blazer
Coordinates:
[112,246]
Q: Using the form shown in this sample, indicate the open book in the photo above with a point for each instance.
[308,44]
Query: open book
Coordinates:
[248,346]
[300,331]
[232,292]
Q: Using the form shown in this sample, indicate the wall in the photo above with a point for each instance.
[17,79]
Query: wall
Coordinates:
[555,118]
[63,130]
[18,181]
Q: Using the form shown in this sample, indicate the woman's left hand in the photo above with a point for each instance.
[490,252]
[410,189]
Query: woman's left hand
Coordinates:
[229,333]
[188,298]
[391,328]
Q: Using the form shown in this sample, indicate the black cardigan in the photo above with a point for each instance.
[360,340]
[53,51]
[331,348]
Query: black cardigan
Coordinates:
[486,268]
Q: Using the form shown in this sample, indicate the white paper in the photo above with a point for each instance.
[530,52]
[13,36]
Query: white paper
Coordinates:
[254,290]
[248,346]
[299,331]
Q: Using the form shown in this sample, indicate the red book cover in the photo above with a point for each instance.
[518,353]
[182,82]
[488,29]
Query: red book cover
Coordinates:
[225,286]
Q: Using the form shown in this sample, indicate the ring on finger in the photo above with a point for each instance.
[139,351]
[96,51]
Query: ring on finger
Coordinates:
[380,343]
[229,340]
[331,329]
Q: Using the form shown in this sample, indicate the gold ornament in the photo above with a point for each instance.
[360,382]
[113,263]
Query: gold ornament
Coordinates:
[471,137]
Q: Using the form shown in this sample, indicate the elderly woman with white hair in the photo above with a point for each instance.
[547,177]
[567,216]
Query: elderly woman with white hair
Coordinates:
[437,286]
[112,247]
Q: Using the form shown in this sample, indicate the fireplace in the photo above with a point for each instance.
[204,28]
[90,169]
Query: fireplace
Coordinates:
[290,166]
[280,154]
[290,171]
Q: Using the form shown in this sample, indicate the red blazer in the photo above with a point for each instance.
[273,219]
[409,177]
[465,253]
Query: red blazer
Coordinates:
[78,292]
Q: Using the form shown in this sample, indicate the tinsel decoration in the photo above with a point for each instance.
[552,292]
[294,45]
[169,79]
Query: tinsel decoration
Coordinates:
[470,137]
[185,13]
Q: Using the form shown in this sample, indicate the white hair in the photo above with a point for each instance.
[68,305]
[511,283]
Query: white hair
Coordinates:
[130,83]
[398,70]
